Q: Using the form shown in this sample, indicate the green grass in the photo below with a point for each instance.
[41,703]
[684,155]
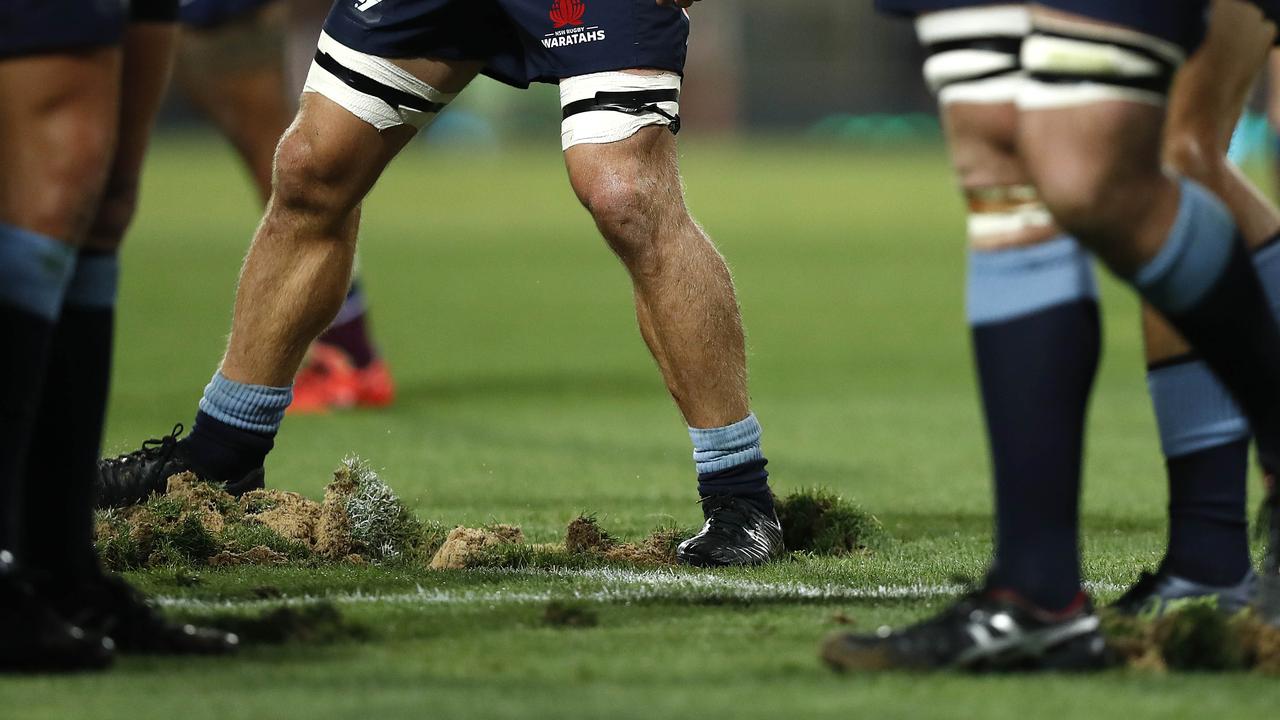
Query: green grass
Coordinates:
[527,397]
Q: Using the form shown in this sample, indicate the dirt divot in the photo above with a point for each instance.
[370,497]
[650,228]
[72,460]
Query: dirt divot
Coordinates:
[195,523]
[466,547]
[1196,637]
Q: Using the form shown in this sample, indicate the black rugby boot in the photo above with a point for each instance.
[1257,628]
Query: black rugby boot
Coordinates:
[984,631]
[736,532]
[34,638]
[131,478]
[109,606]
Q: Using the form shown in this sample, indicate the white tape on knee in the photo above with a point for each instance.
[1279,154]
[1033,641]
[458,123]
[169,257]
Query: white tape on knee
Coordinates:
[973,52]
[605,125]
[1072,63]
[1002,216]
[373,88]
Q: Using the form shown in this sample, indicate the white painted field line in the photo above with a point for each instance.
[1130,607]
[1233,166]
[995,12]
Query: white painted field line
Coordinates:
[615,586]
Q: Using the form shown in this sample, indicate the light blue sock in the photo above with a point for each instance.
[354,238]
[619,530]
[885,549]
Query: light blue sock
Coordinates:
[1194,411]
[1003,285]
[1194,255]
[34,271]
[255,408]
[720,448]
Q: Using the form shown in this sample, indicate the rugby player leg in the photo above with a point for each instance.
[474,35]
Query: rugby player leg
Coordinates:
[57,133]
[1204,436]
[359,111]
[624,170]
[234,73]
[58,497]
[1033,313]
[1093,144]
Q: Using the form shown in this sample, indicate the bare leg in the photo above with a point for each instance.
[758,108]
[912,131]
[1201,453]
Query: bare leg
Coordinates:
[235,76]
[299,266]
[685,300]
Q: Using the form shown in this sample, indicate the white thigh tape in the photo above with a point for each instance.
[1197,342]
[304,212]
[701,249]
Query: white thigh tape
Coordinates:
[1012,20]
[973,52]
[1071,63]
[372,88]
[605,125]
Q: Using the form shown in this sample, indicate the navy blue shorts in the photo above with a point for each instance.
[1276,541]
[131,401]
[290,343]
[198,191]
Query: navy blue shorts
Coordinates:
[521,41]
[208,14]
[37,27]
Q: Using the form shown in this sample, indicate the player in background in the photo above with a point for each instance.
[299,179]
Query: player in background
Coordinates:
[74,119]
[231,65]
[384,70]
[1055,112]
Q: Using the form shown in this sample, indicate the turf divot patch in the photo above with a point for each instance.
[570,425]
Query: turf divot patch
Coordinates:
[196,524]
[1194,637]
[361,521]
[819,521]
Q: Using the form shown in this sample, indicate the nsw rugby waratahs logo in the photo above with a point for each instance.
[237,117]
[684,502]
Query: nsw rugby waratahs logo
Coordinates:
[567,12]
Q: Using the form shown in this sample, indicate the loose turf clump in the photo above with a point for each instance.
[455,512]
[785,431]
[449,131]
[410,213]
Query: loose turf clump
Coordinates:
[362,515]
[196,523]
[1194,637]
[821,522]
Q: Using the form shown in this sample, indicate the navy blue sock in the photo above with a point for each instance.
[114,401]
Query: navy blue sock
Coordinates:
[34,271]
[729,461]
[235,428]
[1204,281]
[58,494]
[1208,526]
[1036,342]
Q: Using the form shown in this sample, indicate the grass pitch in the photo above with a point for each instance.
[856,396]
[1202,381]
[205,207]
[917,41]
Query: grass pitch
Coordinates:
[527,398]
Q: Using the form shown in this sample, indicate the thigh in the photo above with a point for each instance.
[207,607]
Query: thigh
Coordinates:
[58,126]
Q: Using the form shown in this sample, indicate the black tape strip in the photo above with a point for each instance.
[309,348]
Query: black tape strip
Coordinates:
[636,102]
[1159,84]
[993,43]
[367,85]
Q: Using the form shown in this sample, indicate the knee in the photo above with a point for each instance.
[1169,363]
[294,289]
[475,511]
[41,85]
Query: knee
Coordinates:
[68,188]
[628,215]
[305,183]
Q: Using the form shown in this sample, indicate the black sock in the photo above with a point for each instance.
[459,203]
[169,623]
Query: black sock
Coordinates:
[1036,373]
[22,369]
[1208,532]
[220,452]
[749,481]
[34,270]
[58,494]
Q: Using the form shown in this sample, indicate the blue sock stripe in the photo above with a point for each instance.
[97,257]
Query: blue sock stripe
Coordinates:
[256,408]
[1193,256]
[1005,284]
[95,282]
[1193,410]
[34,271]
[716,449]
